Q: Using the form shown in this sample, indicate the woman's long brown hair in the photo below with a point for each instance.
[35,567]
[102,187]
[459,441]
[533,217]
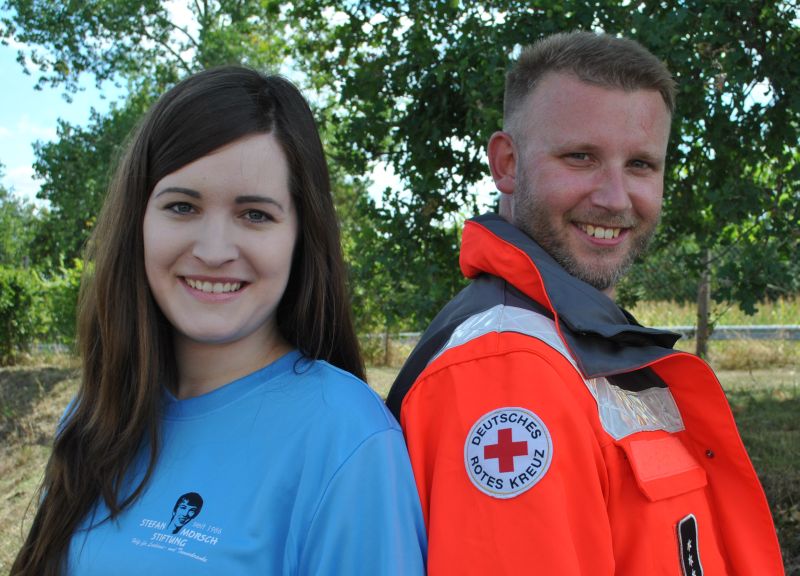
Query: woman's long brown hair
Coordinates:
[125,342]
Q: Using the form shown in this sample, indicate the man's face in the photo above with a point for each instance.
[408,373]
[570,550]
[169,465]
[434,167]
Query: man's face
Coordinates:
[590,174]
[184,513]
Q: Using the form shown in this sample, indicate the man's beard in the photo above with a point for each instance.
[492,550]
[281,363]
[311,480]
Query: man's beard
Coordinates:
[531,216]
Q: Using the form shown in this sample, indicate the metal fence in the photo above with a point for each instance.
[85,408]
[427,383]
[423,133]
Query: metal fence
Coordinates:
[732,332]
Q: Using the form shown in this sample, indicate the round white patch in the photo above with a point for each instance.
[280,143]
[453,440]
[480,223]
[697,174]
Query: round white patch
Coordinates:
[507,452]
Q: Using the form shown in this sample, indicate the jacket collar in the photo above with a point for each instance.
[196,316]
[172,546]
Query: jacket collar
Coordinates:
[586,317]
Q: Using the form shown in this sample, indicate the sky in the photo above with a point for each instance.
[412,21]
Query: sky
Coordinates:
[28,115]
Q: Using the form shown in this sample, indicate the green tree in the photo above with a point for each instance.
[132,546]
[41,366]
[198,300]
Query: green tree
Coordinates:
[420,85]
[395,288]
[17,221]
[75,170]
[140,40]
[137,44]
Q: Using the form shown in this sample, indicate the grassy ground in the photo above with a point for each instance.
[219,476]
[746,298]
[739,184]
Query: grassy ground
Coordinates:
[766,403]
[32,398]
[782,311]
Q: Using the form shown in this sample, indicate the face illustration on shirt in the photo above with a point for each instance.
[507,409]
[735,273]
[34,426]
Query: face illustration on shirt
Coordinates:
[186,509]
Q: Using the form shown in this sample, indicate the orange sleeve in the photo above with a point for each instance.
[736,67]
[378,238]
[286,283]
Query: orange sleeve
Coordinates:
[552,520]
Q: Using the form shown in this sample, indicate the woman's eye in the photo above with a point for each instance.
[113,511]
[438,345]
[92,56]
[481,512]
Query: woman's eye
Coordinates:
[181,208]
[258,216]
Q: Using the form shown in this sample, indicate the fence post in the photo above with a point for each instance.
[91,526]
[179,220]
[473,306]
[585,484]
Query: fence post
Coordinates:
[703,307]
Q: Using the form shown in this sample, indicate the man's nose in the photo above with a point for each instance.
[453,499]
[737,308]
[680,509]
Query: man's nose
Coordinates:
[612,192]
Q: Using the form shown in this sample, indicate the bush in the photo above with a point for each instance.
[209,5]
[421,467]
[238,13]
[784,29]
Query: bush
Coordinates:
[62,304]
[23,313]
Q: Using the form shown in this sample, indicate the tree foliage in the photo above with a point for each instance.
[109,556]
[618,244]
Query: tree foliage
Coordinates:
[22,317]
[17,219]
[421,86]
[139,44]
[75,170]
[140,40]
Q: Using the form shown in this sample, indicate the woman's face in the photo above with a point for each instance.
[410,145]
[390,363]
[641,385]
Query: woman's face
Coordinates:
[219,235]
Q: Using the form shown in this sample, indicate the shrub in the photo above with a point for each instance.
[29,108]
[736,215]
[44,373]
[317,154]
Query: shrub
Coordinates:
[23,314]
[62,303]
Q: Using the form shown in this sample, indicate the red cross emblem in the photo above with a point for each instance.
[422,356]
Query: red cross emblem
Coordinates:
[505,450]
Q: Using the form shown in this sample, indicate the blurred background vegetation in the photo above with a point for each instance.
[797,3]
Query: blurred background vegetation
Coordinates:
[416,88]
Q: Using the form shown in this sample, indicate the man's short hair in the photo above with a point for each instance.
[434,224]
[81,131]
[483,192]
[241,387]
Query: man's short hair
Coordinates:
[599,59]
[191,499]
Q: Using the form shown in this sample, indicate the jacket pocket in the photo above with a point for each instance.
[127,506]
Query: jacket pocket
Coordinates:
[663,466]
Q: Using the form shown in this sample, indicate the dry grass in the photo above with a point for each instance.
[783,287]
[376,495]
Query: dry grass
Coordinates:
[782,311]
[748,354]
[765,401]
[768,422]
[32,400]
[380,378]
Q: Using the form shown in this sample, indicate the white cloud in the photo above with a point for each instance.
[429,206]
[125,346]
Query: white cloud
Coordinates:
[26,130]
[17,154]
[383,176]
[31,130]
[20,179]
[16,44]
[181,14]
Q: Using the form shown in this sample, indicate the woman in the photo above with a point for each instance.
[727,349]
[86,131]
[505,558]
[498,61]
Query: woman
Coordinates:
[217,429]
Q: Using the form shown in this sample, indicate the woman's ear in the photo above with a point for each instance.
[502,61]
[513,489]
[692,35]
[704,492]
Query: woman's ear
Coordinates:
[503,161]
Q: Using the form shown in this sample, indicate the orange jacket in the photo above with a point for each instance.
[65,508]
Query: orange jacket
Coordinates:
[551,434]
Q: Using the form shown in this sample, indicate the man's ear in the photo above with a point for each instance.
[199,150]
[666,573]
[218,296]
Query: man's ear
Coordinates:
[503,161]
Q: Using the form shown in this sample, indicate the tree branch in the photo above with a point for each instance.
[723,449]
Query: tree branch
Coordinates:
[179,59]
[736,242]
[183,30]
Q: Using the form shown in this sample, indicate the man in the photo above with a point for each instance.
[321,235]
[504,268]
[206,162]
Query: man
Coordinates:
[549,432]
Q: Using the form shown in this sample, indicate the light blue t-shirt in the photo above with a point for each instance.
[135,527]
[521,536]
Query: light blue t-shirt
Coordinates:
[297,468]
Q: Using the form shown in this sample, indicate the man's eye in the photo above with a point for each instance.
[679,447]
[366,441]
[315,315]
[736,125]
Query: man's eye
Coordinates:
[580,156]
[640,164]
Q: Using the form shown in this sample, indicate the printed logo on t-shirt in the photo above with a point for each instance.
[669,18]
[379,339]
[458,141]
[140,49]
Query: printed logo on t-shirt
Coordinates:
[186,508]
[507,452]
[182,533]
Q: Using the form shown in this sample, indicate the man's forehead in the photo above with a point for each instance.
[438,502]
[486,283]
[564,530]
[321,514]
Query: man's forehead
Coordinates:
[562,86]
[564,108]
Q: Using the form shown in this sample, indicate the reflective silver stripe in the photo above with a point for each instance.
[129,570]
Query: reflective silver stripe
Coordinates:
[502,318]
[622,412]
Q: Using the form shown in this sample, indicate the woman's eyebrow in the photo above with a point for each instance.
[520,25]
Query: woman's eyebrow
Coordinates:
[179,190]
